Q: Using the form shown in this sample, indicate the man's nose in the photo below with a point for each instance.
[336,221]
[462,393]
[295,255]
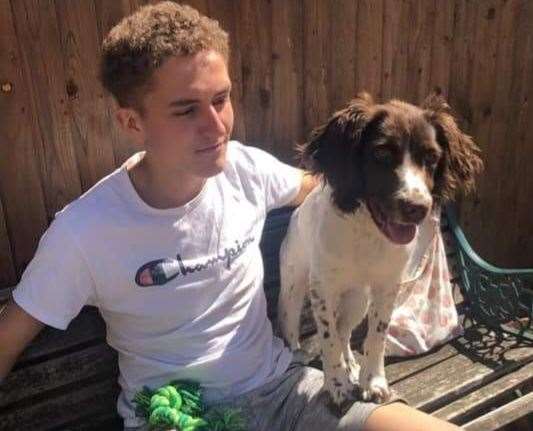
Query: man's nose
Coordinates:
[212,122]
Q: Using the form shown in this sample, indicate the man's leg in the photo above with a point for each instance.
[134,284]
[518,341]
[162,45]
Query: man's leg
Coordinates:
[297,401]
[395,417]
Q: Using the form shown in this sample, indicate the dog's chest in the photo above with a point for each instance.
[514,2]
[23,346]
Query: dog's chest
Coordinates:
[353,250]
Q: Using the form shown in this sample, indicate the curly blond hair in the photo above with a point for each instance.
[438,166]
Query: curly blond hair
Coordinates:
[139,44]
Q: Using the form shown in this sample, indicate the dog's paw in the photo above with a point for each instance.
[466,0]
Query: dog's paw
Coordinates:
[376,389]
[342,393]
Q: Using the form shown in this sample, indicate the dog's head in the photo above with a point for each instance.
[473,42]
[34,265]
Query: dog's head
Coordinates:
[397,158]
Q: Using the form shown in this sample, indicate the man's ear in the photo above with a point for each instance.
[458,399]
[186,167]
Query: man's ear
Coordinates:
[131,123]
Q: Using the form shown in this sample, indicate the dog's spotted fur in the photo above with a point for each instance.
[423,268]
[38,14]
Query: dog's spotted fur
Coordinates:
[384,168]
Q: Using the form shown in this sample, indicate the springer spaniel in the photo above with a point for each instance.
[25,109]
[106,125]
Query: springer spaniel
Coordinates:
[385,167]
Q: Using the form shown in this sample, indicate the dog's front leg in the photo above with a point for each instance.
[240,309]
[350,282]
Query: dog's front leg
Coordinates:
[336,373]
[373,381]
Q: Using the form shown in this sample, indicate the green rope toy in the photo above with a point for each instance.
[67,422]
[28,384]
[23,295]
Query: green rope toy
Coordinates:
[178,405]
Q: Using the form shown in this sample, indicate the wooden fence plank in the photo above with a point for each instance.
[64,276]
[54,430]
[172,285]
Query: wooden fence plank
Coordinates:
[395,49]
[255,35]
[461,66]
[421,20]
[38,34]
[522,248]
[316,30]
[509,85]
[287,85]
[481,98]
[442,48]
[516,248]
[22,208]
[341,59]
[201,6]
[369,47]
[85,98]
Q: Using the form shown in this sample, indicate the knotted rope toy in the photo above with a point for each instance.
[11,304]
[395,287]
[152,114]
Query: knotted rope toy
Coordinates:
[178,405]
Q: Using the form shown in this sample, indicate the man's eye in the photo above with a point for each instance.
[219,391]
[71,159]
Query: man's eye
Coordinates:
[220,101]
[183,113]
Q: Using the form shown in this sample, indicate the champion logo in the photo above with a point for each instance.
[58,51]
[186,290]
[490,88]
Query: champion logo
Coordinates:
[161,271]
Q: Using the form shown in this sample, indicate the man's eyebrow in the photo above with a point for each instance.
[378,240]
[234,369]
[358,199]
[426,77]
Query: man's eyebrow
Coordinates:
[186,102]
[182,102]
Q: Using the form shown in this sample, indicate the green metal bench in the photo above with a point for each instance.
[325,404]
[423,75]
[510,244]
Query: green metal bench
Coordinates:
[67,380]
[501,298]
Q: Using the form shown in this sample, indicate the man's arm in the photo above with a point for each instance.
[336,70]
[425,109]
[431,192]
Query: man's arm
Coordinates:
[309,182]
[17,329]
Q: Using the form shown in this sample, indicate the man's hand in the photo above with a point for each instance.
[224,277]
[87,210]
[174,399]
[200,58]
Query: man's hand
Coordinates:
[309,182]
[17,329]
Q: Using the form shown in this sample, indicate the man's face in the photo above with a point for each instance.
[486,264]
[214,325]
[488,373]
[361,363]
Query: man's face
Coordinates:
[188,116]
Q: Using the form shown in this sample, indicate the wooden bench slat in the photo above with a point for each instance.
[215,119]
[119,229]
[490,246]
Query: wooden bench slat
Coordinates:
[88,401]
[503,415]
[61,371]
[5,294]
[473,403]
[450,379]
[86,328]
[102,422]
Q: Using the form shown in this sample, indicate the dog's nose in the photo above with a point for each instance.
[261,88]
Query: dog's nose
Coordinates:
[412,212]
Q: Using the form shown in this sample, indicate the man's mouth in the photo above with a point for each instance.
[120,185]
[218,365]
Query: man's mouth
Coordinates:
[398,233]
[210,148]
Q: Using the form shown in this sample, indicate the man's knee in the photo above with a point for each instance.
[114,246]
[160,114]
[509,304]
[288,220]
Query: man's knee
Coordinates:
[398,416]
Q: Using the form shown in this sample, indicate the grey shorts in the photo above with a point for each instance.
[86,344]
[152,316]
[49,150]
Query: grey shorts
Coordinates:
[294,402]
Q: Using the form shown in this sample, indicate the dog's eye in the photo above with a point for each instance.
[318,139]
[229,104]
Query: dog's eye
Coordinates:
[431,160]
[384,155]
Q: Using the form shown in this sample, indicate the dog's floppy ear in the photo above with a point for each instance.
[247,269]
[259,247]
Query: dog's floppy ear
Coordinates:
[332,139]
[461,161]
[332,149]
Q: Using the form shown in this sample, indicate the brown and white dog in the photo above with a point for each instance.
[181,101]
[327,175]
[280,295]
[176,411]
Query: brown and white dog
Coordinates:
[384,167]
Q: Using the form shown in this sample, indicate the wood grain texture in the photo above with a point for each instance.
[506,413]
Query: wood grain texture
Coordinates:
[85,97]
[293,63]
[85,400]
[70,368]
[42,59]
[22,207]
[484,397]
[502,416]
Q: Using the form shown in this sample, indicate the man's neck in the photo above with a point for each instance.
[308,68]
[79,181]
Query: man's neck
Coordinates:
[161,187]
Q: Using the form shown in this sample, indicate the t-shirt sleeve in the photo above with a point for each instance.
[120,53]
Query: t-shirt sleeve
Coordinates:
[280,182]
[57,283]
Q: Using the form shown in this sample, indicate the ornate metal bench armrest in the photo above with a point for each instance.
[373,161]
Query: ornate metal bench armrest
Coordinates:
[501,298]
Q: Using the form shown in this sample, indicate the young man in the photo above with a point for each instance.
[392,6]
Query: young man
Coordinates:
[167,246]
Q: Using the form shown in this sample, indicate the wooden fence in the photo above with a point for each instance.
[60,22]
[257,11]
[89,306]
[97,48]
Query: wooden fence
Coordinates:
[293,63]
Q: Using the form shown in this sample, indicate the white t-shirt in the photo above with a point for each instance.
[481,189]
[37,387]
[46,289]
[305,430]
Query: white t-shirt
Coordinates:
[181,289]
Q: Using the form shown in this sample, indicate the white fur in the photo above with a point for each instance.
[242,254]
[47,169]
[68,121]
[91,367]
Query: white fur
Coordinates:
[414,188]
[348,268]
